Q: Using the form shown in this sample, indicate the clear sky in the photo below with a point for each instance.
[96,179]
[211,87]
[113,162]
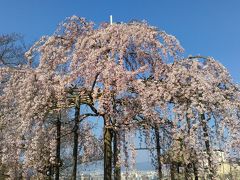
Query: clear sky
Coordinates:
[206,27]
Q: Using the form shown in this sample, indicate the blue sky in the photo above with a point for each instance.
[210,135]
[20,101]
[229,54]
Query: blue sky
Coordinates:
[206,27]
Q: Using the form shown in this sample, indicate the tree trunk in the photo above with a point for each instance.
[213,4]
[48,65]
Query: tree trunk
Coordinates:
[187,174]
[116,152]
[107,150]
[58,160]
[207,144]
[195,171]
[75,138]
[193,158]
[158,148]
[173,171]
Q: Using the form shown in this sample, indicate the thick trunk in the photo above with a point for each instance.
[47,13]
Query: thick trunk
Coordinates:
[207,144]
[116,153]
[193,158]
[58,139]
[107,150]
[187,167]
[49,178]
[158,148]
[75,139]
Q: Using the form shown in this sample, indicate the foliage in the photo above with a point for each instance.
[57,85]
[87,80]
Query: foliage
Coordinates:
[134,78]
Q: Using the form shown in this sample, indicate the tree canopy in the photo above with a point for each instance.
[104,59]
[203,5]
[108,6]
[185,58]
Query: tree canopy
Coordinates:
[135,78]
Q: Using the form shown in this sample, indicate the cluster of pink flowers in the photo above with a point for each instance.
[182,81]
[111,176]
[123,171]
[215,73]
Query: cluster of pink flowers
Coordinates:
[126,75]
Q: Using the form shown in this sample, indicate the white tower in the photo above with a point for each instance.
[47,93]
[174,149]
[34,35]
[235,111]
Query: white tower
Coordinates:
[111,20]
